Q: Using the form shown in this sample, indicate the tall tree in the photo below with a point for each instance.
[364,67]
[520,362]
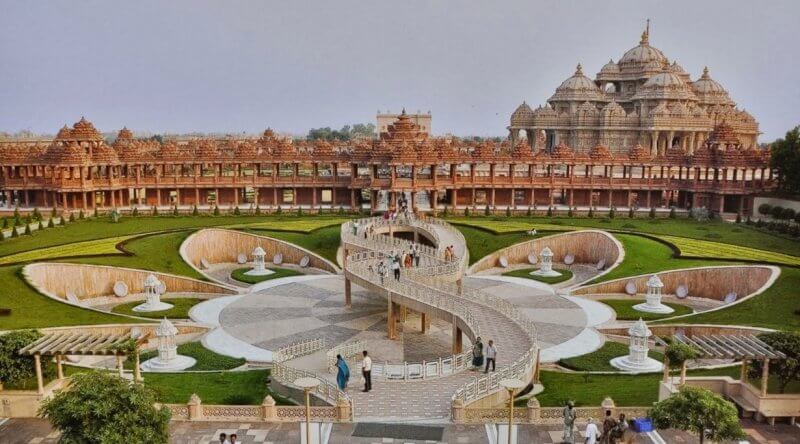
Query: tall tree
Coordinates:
[104,408]
[698,411]
[786,370]
[786,159]
[13,366]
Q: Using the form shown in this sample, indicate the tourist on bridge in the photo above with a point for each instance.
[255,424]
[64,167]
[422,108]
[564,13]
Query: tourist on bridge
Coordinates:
[569,423]
[396,268]
[408,260]
[366,370]
[491,356]
[381,271]
[477,353]
[355,227]
[343,372]
[415,254]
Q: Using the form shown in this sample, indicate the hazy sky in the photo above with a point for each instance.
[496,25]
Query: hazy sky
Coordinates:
[179,66]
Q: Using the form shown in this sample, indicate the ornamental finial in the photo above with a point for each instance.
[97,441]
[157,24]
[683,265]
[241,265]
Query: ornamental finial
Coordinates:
[579,70]
[646,35]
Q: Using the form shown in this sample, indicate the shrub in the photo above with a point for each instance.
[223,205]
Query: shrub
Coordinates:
[612,212]
[2,236]
[36,214]
[529,213]
[135,211]
[5,222]
[764,209]
[278,210]
[508,211]
[54,212]
[17,221]
[466,212]
[13,366]
[652,212]
[486,212]
[299,210]
[195,211]
[96,212]
[672,213]
[788,214]
[101,407]
[16,213]
[631,213]
[175,210]
[590,214]
[81,215]
[446,211]
[738,218]
[258,210]
[28,229]
[238,212]
[155,210]
[72,217]
[41,226]
[569,212]
[216,210]
[776,212]
[62,221]
[14,232]
[550,211]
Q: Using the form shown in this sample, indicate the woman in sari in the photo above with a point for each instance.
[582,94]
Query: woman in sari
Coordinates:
[343,372]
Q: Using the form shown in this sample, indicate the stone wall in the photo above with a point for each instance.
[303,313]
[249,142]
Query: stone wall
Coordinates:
[705,282]
[588,247]
[217,245]
[90,281]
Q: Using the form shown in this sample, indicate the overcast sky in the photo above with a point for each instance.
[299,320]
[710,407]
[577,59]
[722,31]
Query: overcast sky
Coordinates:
[179,66]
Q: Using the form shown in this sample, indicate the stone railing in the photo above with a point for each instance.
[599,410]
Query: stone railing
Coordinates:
[347,350]
[532,413]
[298,349]
[195,410]
[522,368]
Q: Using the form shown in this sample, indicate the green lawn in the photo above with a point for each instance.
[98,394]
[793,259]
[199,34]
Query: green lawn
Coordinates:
[735,234]
[226,388]
[626,390]
[481,242]
[239,274]
[644,255]
[96,247]
[709,249]
[179,311]
[526,273]
[597,361]
[626,312]
[206,359]
[323,241]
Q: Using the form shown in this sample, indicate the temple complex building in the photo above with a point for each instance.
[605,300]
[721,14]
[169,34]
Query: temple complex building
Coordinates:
[642,135]
[642,99]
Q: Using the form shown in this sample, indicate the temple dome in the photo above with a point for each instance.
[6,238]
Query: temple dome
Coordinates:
[664,78]
[610,67]
[578,81]
[705,84]
[522,116]
[643,53]
[578,87]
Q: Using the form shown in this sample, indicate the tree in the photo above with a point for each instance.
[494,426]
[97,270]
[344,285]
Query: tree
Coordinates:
[788,214]
[346,133]
[678,353]
[103,408]
[612,212]
[776,212]
[13,366]
[785,158]
[786,370]
[81,215]
[764,209]
[698,411]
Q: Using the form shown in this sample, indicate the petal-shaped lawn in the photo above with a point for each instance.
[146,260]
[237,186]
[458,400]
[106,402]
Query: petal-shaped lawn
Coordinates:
[86,248]
[716,250]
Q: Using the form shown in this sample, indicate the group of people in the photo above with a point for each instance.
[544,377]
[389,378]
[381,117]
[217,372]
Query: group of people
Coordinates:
[225,439]
[343,372]
[613,429]
[397,261]
[479,353]
[449,253]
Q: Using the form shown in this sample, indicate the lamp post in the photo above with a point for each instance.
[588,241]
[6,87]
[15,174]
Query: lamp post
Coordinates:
[307,384]
[511,384]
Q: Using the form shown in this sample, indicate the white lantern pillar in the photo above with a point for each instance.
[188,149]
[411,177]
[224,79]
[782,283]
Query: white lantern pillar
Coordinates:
[152,295]
[637,360]
[546,264]
[168,358]
[653,298]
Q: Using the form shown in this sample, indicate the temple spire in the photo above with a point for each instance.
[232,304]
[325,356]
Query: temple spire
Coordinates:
[646,35]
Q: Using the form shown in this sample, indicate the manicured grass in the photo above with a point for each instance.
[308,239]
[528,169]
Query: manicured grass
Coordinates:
[626,390]
[239,275]
[93,247]
[101,228]
[597,361]
[778,307]
[305,223]
[526,273]
[709,249]
[724,232]
[644,255]
[481,242]
[30,309]
[155,252]
[179,311]
[206,359]
[226,388]
[323,241]
[626,312]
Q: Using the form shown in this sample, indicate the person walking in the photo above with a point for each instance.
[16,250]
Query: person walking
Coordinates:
[366,370]
[415,254]
[477,353]
[342,373]
[396,268]
[609,424]
[381,271]
[491,356]
[591,432]
[618,435]
[569,423]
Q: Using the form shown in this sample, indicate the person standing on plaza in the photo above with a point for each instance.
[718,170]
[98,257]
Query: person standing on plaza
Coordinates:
[477,353]
[223,439]
[342,373]
[491,356]
[366,370]
[591,432]
[234,438]
[609,424]
[569,423]
[396,268]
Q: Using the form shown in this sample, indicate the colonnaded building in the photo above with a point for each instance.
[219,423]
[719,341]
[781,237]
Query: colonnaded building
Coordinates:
[641,134]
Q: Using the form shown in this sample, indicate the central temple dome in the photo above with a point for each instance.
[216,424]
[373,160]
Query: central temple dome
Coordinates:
[644,53]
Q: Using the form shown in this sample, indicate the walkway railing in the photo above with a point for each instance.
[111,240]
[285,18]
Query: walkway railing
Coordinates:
[298,349]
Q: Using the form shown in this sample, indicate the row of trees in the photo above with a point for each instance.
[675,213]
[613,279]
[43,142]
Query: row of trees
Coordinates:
[785,157]
[345,134]
[778,212]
